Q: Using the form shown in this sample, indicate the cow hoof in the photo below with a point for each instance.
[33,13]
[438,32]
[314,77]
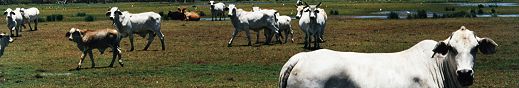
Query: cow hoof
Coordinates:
[229,45]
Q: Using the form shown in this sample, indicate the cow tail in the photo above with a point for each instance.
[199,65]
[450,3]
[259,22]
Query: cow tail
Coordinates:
[286,70]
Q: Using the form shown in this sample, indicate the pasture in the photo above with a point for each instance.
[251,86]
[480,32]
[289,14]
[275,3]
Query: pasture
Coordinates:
[196,54]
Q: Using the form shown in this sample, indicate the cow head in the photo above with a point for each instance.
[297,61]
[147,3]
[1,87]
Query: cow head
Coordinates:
[312,10]
[212,4]
[114,12]
[461,47]
[232,10]
[9,13]
[299,2]
[300,9]
[74,34]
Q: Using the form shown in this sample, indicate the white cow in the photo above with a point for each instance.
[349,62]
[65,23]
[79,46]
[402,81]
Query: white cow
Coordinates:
[312,23]
[256,21]
[14,20]
[321,12]
[451,65]
[141,23]
[4,41]
[286,27]
[31,15]
[217,10]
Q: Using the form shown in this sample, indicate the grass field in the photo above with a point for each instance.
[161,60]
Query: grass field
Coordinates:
[197,55]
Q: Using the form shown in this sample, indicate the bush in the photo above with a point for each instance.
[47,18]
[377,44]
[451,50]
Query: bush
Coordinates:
[58,17]
[481,6]
[480,11]
[450,9]
[393,15]
[90,18]
[435,15]
[81,14]
[50,18]
[55,17]
[493,11]
[421,14]
[201,13]
[334,12]
[41,19]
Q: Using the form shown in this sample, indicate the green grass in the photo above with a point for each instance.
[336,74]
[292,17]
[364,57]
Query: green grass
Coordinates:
[197,55]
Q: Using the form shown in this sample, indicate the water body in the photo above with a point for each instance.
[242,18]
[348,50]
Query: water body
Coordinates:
[429,15]
[485,4]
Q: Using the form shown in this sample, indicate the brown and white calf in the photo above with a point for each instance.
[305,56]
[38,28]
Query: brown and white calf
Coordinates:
[87,40]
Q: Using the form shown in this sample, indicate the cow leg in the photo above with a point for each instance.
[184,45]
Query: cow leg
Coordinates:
[307,39]
[131,41]
[115,52]
[161,37]
[83,55]
[30,27]
[257,37]
[232,38]
[266,33]
[119,55]
[91,55]
[291,35]
[36,24]
[151,37]
[317,41]
[248,37]
[287,33]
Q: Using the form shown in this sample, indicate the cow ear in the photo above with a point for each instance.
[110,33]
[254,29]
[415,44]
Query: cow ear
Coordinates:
[5,13]
[118,12]
[107,13]
[441,48]
[487,45]
[318,4]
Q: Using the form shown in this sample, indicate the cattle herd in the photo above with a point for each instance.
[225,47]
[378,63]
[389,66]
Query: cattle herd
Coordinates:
[429,63]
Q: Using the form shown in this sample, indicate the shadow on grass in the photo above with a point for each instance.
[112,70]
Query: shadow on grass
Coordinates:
[77,69]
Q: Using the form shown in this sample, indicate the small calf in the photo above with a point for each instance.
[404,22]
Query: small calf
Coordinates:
[87,40]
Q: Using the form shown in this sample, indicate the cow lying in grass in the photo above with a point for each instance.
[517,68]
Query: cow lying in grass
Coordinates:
[451,65]
[87,40]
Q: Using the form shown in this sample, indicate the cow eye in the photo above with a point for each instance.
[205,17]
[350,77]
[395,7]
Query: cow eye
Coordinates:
[307,10]
[316,11]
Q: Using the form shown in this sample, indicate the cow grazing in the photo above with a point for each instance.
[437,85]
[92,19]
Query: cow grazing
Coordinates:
[87,40]
[256,21]
[217,10]
[14,20]
[312,23]
[451,65]
[31,15]
[4,41]
[141,23]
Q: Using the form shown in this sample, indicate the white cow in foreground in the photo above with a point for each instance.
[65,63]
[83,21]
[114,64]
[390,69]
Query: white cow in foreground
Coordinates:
[4,41]
[312,23]
[141,23]
[14,20]
[217,10]
[31,15]
[256,21]
[450,66]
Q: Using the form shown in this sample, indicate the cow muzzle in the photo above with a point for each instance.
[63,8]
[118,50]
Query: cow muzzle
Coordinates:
[111,18]
[465,77]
